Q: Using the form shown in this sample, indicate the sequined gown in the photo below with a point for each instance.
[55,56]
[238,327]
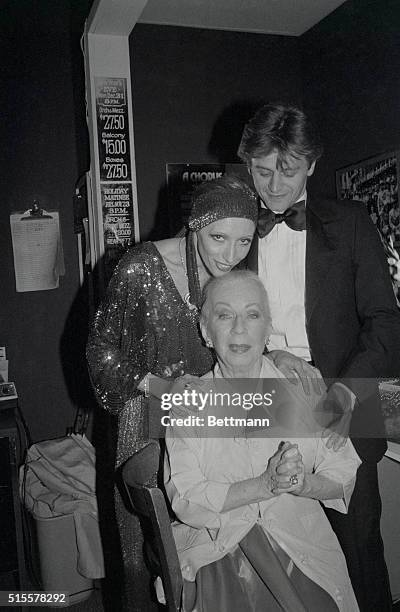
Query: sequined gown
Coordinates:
[142,326]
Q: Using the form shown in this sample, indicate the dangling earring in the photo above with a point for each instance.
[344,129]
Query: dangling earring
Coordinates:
[209,344]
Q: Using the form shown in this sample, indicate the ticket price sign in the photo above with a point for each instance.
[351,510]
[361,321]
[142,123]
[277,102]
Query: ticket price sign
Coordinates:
[115,167]
[113,129]
[117,214]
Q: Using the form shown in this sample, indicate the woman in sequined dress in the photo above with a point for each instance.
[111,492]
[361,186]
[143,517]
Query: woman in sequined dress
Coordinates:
[148,325]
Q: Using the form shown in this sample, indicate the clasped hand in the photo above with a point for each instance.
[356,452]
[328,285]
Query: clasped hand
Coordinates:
[285,472]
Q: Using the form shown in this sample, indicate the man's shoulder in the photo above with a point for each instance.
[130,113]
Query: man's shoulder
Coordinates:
[331,208]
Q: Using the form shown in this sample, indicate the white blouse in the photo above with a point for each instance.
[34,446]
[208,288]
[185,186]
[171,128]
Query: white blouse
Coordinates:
[199,471]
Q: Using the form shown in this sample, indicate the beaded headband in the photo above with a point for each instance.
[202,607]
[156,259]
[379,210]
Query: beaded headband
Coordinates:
[209,207]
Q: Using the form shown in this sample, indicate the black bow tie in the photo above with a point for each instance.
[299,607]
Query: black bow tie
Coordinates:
[294,217]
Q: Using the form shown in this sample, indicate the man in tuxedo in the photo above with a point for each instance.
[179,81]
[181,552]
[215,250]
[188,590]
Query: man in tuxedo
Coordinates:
[332,304]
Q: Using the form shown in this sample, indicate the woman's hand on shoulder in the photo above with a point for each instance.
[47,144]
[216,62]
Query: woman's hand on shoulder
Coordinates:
[157,386]
[298,370]
[187,389]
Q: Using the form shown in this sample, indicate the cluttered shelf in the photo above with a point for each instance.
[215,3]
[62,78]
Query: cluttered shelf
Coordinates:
[390,396]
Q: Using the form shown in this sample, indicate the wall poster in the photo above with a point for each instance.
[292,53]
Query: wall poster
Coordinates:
[375,181]
[183,178]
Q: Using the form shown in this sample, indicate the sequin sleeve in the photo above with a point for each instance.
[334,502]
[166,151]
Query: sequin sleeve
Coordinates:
[118,350]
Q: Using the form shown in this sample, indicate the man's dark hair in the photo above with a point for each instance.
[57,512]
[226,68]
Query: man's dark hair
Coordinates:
[282,128]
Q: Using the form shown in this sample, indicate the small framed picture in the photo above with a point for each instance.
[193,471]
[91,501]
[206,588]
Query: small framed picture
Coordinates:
[375,182]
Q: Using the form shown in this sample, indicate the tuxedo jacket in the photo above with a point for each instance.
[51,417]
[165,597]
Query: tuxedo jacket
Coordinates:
[352,319]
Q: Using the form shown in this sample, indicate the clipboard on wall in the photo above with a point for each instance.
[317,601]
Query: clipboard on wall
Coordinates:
[37,249]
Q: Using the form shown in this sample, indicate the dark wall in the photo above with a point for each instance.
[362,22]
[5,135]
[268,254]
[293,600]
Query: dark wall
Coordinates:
[352,82]
[39,159]
[192,91]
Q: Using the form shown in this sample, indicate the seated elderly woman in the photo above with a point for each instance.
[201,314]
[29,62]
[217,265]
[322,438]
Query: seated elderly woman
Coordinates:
[251,534]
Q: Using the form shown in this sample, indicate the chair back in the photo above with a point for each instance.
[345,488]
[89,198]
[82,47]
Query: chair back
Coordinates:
[149,502]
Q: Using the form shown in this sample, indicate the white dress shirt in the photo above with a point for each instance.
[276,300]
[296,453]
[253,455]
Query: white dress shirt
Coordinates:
[281,267]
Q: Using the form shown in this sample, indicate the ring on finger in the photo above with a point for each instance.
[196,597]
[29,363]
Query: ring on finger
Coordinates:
[294,480]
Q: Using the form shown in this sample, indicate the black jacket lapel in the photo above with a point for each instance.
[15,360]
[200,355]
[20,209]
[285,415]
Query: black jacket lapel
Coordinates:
[252,256]
[323,234]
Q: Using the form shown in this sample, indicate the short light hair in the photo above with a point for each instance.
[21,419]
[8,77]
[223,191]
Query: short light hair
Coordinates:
[235,276]
[282,128]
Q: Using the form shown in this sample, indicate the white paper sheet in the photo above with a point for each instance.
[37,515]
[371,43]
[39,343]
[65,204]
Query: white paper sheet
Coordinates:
[38,256]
